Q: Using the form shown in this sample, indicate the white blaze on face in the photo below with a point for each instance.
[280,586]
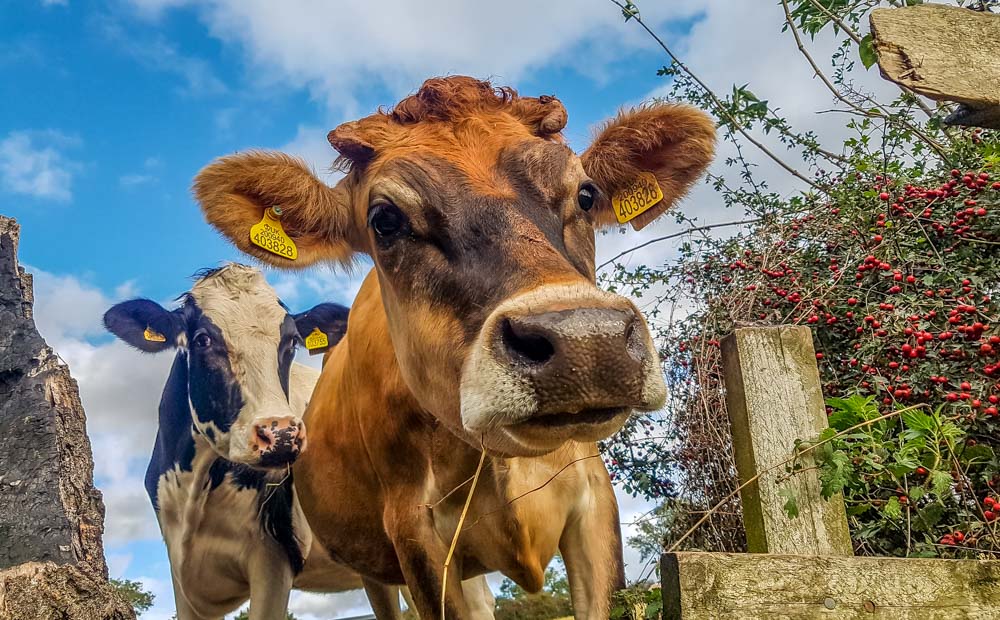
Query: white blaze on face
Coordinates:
[245,309]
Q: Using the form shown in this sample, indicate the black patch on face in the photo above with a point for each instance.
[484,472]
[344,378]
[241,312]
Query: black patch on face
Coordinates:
[174,445]
[289,337]
[213,389]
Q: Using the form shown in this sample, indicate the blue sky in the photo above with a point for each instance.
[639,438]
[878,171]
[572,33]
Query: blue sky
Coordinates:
[109,108]
[133,106]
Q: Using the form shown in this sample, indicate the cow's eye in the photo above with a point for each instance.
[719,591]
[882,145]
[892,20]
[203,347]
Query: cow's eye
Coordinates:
[386,220]
[202,340]
[587,196]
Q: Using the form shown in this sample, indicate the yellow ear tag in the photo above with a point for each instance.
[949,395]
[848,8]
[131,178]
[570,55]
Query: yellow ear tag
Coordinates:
[637,197]
[152,336]
[269,235]
[317,340]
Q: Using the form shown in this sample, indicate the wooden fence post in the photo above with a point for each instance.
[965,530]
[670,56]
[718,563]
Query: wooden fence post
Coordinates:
[806,569]
[773,396]
[946,53]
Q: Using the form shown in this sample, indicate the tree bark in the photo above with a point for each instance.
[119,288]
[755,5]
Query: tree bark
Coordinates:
[51,516]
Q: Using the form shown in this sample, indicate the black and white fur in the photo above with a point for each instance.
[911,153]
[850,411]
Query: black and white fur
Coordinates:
[233,527]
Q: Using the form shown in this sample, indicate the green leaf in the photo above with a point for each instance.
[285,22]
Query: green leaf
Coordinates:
[977,454]
[834,473]
[791,506]
[928,517]
[917,420]
[893,509]
[853,511]
[940,482]
[867,52]
[950,430]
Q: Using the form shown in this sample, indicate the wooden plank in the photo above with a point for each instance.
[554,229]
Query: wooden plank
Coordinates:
[773,396]
[945,53]
[707,586]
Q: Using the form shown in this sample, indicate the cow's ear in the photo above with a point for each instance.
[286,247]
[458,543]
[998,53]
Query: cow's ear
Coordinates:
[144,324]
[671,144]
[322,327]
[235,193]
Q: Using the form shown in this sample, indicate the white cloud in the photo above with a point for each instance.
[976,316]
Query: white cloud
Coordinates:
[55,2]
[310,144]
[318,284]
[224,121]
[34,163]
[159,54]
[120,389]
[118,563]
[153,9]
[131,180]
[716,50]
[340,51]
[134,179]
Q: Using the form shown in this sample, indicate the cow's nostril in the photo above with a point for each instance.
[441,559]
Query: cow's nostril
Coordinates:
[524,345]
[264,439]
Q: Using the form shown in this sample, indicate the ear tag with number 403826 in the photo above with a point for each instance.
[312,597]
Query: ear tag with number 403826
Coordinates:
[316,341]
[636,197]
[269,235]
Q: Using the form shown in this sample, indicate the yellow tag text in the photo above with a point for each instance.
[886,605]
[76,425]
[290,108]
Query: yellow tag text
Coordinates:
[317,340]
[269,235]
[637,197]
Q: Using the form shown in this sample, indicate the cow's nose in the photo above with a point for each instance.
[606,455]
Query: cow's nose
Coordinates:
[279,440]
[580,358]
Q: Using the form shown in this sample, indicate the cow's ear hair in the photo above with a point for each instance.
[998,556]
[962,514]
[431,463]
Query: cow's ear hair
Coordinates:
[329,319]
[235,191]
[674,143]
[144,324]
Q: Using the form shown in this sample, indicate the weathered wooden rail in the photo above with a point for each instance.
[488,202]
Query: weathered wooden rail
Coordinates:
[946,53]
[804,568]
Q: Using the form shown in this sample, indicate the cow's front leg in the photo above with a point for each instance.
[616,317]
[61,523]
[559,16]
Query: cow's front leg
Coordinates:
[183,610]
[591,547]
[421,557]
[479,598]
[270,584]
[383,599]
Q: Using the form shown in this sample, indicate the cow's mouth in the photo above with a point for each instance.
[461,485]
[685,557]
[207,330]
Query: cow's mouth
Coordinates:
[581,418]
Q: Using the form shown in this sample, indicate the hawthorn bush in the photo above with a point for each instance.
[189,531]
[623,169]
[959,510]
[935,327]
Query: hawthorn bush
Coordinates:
[890,255]
[896,277]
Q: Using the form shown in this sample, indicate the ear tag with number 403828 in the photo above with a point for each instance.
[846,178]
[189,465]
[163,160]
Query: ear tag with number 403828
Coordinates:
[317,341]
[269,235]
[636,197]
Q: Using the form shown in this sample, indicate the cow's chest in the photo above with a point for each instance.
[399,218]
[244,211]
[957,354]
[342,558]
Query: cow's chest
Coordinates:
[518,514]
[212,536]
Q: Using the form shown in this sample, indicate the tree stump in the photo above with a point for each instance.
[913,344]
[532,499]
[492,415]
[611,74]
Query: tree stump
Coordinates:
[51,517]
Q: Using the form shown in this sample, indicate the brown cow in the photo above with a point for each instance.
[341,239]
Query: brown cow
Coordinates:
[480,328]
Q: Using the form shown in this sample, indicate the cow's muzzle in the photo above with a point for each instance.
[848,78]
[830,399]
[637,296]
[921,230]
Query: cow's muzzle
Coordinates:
[567,362]
[277,441]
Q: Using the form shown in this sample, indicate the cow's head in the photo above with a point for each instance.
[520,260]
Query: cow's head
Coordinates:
[235,342]
[481,222]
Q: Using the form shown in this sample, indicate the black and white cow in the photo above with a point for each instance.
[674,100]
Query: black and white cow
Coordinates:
[229,428]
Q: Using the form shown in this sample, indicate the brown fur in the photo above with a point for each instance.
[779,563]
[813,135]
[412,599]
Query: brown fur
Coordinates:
[491,196]
[674,142]
[234,191]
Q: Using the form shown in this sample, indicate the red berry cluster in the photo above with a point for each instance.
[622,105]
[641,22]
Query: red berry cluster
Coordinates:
[897,281]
